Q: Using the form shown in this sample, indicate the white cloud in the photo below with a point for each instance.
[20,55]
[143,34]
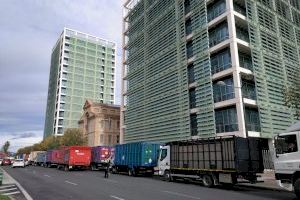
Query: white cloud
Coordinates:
[29,30]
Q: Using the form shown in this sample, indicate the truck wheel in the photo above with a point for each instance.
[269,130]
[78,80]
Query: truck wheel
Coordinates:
[297,188]
[207,181]
[167,176]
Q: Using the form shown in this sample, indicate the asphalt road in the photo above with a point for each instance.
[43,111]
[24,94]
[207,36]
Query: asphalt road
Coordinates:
[52,184]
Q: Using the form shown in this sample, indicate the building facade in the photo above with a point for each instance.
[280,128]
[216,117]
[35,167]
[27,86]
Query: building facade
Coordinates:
[204,68]
[100,123]
[82,67]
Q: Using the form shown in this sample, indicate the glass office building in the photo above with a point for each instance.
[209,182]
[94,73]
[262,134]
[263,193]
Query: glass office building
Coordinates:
[204,68]
[82,67]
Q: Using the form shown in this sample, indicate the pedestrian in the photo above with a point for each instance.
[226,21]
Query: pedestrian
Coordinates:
[107,169]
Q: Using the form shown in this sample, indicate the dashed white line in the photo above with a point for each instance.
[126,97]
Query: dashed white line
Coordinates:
[71,183]
[181,195]
[47,175]
[115,197]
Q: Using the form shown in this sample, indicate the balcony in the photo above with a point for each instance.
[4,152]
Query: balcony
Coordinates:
[226,120]
[187,6]
[218,34]
[188,27]
[192,97]
[215,10]
[191,74]
[224,92]
[240,7]
[248,90]
[245,61]
[252,120]
[220,61]
[189,50]
[242,34]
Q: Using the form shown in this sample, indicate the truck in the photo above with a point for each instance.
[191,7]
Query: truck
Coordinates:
[212,161]
[138,158]
[74,157]
[101,156]
[32,157]
[51,158]
[40,158]
[287,159]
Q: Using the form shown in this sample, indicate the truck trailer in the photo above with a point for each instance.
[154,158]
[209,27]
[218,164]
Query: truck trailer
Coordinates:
[32,157]
[40,158]
[287,159]
[101,156]
[136,158]
[51,158]
[213,161]
[74,157]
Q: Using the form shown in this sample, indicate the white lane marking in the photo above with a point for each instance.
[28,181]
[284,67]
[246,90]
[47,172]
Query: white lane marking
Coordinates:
[27,196]
[47,175]
[9,189]
[115,197]
[71,183]
[8,186]
[11,193]
[181,195]
[108,180]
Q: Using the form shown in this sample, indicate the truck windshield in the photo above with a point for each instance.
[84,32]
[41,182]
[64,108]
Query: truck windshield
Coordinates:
[286,144]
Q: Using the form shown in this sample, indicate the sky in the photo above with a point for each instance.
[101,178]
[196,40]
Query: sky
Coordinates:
[28,31]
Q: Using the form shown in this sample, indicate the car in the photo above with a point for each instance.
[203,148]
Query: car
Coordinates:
[6,162]
[18,163]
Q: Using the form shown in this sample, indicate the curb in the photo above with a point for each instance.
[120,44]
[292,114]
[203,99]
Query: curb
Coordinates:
[27,196]
[261,187]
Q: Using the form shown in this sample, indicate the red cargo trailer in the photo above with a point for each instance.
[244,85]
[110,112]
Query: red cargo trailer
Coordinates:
[74,157]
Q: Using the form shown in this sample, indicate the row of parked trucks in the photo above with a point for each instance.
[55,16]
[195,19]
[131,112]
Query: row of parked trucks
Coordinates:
[214,161]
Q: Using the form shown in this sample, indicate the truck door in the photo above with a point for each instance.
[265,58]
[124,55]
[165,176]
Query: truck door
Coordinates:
[287,159]
[164,160]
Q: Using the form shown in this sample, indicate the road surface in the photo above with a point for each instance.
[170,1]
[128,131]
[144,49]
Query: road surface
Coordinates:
[52,184]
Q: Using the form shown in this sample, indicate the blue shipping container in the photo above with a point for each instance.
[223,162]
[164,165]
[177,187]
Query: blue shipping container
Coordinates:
[138,154]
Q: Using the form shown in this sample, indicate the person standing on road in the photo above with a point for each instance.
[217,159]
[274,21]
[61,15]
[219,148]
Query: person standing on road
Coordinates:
[107,169]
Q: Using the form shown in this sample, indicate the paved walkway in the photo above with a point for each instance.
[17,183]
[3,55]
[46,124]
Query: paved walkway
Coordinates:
[269,182]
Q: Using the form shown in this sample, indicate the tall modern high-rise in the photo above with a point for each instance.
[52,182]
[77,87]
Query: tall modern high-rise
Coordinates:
[196,68]
[82,67]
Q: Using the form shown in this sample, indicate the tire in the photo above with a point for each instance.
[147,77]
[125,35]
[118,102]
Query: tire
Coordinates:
[207,181]
[167,176]
[297,188]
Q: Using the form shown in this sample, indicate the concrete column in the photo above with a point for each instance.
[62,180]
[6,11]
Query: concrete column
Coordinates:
[236,72]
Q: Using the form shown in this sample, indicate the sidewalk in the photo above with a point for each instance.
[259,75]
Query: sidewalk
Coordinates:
[269,182]
[10,187]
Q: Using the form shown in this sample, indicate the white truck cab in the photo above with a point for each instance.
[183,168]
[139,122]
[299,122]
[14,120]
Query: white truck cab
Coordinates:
[287,161]
[163,163]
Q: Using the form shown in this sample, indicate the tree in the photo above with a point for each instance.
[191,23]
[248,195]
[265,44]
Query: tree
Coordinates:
[5,147]
[292,95]
[73,136]
[50,143]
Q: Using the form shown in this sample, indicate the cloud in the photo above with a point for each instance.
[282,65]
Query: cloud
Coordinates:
[29,30]
[23,135]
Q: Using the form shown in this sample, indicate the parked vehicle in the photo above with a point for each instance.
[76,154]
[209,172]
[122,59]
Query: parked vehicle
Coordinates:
[32,157]
[51,158]
[212,160]
[18,163]
[6,161]
[136,158]
[101,155]
[287,159]
[74,157]
[40,158]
